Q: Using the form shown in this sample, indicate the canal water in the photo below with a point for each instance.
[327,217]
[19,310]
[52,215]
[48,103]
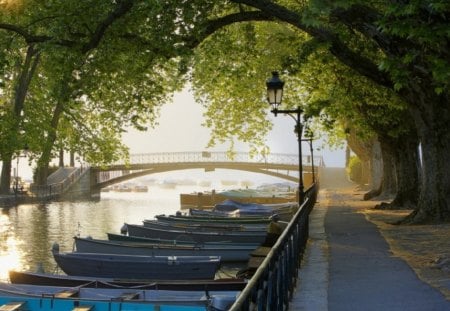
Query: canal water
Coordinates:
[27,232]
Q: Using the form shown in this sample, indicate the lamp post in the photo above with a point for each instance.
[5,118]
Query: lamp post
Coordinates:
[309,141]
[16,181]
[274,97]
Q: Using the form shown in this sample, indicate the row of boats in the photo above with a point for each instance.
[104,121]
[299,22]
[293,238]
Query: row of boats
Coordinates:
[169,262]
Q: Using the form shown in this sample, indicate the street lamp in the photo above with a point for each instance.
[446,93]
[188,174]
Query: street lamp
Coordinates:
[16,181]
[309,141]
[274,97]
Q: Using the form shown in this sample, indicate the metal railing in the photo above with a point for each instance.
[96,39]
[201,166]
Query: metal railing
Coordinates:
[207,156]
[56,189]
[272,285]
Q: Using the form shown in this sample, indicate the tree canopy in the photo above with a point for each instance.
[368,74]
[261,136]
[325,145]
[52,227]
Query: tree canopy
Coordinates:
[100,66]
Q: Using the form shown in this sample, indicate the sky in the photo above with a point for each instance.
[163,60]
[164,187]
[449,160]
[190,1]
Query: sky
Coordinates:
[180,130]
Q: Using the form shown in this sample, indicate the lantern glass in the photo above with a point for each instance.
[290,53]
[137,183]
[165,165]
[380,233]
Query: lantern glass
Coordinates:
[274,90]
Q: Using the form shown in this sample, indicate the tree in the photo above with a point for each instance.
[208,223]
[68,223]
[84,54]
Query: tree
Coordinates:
[18,68]
[410,41]
[99,74]
[329,89]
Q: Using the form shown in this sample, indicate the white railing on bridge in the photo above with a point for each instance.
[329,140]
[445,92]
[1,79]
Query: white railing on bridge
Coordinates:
[207,156]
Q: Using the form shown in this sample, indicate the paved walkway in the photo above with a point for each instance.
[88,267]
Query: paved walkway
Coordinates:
[348,266]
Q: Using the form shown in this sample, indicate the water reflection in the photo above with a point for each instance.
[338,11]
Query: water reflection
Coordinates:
[27,232]
[9,248]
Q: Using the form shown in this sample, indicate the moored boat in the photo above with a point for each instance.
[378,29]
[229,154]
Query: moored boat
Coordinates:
[127,299]
[257,237]
[129,238]
[280,211]
[137,267]
[226,252]
[206,226]
[50,303]
[50,279]
[217,219]
[283,211]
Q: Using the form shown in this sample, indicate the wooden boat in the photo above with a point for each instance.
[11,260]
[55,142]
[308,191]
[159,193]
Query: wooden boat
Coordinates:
[212,213]
[48,279]
[216,219]
[137,267]
[126,299]
[136,239]
[257,237]
[282,211]
[188,225]
[227,253]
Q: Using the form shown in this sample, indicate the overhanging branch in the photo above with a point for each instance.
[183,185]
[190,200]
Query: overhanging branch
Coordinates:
[216,24]
[339,49]
[122,8]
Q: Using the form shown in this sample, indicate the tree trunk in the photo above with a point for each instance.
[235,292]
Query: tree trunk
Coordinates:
[347,155]
[431,115]
[363,150]
[376,171]
[21,90]
[44,160]
[407,173]
[389,182]
[47,148]
[72,158]
[376,164]
[61,157]
[5,183]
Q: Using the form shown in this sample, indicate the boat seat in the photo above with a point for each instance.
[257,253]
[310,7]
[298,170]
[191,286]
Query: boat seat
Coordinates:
[83,308]
[12,306]
[67,293]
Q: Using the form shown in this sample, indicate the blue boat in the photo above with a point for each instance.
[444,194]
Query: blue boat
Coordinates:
[35,297]
[12,303]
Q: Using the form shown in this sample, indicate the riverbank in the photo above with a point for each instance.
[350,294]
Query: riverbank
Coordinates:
[13,200]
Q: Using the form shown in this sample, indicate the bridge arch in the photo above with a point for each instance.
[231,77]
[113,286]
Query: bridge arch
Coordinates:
[276,165]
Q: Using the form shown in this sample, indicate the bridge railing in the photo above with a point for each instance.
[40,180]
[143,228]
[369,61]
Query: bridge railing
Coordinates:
[207,156]
[56,189]
[272,285]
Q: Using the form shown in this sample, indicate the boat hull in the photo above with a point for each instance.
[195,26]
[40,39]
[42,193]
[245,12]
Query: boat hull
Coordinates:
[68,298]
[51,304]
[257,237]
[227,253]
[47,279]
[137,267]
[223,220]
[202,227]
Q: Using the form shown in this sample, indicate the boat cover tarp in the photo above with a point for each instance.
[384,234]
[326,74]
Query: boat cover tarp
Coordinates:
[243,208]
[253,193]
